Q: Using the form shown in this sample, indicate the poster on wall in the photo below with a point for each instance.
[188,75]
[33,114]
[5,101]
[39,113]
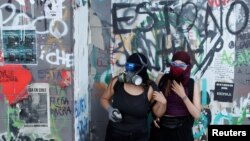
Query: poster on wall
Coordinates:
[53,9]
[35,110]
[224,92]
[19,46]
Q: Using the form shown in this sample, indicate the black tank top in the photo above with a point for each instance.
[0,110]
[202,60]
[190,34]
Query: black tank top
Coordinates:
[134,109]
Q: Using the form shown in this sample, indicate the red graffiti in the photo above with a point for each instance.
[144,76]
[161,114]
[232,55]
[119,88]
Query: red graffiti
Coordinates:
[217,3]
[14,79]
[1,57]
[66,79]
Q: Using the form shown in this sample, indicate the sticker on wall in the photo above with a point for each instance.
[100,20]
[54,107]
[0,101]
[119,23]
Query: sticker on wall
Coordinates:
[224,92]
[35,110]
[19,47]
[53,9]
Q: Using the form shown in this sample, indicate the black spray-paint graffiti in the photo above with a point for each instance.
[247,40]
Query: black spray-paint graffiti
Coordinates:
[144,8]
[121,25]
[246,15]
[60,106]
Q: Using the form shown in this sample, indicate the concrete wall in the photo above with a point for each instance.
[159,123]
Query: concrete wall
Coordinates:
[81,85]
[45,95]
[37,95]
[215,32]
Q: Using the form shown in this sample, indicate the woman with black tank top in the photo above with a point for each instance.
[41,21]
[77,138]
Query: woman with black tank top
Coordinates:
[128,99]
[184,103]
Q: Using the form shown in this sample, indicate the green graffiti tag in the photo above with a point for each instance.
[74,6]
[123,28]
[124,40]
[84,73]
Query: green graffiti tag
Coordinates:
[241,58]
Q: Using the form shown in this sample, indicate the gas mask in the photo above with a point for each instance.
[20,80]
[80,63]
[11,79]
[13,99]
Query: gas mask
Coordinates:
[130,76]
[131,73]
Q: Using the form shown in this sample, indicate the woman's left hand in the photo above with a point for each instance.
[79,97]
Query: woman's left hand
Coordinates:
[158,96]
[178,89]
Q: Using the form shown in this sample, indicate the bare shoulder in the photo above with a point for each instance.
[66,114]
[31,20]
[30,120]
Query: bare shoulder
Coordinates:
[109,89]
[150,93]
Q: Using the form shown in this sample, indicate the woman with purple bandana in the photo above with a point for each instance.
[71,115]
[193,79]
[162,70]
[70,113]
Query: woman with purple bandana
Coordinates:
[183,102]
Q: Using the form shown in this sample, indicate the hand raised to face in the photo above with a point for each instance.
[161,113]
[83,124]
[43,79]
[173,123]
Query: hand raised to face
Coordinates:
[178,89]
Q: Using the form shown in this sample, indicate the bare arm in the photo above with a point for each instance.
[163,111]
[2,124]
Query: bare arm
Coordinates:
[194,106]
[197,100]
[159,107]
[107,95]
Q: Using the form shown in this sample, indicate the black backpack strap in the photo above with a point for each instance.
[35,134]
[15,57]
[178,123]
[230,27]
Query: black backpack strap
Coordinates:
[191,89]
[190,96]
[155,88]
[163,83]
[153,85]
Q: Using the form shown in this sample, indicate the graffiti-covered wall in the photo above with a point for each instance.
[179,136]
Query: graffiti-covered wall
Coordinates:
[214,32]
[81,95]
[36,72]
